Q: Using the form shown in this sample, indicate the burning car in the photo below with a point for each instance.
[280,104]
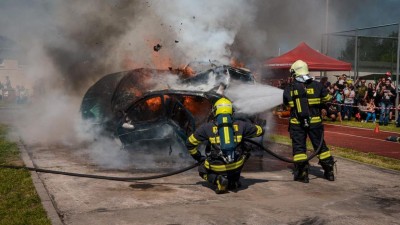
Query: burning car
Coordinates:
[157,108]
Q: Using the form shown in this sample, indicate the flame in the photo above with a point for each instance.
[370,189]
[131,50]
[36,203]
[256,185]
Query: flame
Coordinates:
[235,63]
[197,106]
[189,104]
[154,104]
[188,71]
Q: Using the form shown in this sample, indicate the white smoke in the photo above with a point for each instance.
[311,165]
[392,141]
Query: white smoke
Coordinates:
[252,99]
[187,31]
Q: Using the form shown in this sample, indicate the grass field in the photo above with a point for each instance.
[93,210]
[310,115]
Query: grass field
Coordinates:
[19,202]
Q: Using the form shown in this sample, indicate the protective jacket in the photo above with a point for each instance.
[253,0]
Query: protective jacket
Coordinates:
[209,132]
[313,94]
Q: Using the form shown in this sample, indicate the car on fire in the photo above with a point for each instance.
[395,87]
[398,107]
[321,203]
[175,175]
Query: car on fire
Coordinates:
[157,108]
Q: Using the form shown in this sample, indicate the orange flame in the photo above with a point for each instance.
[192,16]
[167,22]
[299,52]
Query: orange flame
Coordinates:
[189,104]
[188,71]
[235,63]
[154,104]
[196,105]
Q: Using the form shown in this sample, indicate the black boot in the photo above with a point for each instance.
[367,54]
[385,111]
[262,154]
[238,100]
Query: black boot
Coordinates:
[234,185]
[300,172]
[222,184]
[328,164]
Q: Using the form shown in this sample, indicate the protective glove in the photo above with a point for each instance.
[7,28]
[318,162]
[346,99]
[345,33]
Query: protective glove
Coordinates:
[203,158]
[198,157]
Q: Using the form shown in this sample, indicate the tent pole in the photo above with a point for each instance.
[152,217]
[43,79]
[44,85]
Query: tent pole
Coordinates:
[397,73]
[356,56]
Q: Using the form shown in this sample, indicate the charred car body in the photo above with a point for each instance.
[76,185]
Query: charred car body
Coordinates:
[157,108]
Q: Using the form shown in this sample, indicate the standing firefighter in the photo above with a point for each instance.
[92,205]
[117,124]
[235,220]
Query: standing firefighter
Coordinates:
[225,159]
[305,97]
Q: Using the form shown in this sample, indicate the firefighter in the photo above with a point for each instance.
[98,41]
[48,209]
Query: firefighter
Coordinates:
[224,158]
[305,97]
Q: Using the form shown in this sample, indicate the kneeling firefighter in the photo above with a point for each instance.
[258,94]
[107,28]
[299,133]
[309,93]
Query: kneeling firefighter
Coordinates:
[305,97]
[224,159]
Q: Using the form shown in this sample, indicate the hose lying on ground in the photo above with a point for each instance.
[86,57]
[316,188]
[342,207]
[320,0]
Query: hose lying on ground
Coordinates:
[127,179]
[283,158]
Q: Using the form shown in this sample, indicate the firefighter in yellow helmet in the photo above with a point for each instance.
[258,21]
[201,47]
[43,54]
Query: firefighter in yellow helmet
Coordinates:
[224,159]
[305,97]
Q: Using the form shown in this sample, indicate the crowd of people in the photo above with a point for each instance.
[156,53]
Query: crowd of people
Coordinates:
[359,100]
[365,102]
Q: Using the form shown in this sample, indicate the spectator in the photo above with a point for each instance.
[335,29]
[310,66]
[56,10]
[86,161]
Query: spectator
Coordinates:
[362,91]
[341,81]
[381,82]
[333,111]
[370,91]
[388,75]
[349,96]
[371,110]
[362,110]
[339,98]
[386,92]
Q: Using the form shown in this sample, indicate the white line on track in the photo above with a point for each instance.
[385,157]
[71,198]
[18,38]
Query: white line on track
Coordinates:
[352,135]
[360,128]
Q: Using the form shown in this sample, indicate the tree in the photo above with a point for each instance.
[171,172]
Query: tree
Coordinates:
[371,49]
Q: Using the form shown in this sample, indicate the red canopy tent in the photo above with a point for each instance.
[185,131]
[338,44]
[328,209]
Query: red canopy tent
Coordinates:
[315,60]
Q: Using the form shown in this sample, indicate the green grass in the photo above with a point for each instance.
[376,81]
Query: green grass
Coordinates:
[391,127]
[369,158]
[19,202]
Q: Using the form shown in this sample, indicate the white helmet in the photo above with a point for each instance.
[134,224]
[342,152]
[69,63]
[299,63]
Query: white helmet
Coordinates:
[299,70]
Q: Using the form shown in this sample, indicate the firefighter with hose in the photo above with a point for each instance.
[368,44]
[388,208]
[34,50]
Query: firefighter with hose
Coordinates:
[305,97]
[224,156]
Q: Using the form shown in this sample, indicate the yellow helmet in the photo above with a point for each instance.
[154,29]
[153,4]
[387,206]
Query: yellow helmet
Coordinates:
[299,68]
[223,106]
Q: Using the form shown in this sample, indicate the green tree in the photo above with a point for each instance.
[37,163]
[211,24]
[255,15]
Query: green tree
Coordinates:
[371,49]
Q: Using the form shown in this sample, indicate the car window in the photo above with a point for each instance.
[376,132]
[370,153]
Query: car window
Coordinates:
[199,107]
[146,110]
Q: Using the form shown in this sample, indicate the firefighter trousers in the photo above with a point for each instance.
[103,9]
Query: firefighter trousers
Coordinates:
[210,175]
[298,134]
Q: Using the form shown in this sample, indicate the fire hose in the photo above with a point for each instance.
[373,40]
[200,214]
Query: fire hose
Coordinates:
[316,152]
[103,177]
[129,179]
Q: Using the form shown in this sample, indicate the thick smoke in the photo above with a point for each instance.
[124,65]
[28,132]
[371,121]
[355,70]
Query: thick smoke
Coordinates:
[72,44]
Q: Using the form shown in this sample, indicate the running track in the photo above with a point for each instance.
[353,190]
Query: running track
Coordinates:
[359,139]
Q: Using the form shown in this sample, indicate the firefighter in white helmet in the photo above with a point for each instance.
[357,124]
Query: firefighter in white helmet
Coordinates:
[225,159]
[305,98]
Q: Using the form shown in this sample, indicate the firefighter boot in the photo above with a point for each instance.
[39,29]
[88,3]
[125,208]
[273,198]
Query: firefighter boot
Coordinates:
[300,172]
[234,185]
[327,164]
[222,184]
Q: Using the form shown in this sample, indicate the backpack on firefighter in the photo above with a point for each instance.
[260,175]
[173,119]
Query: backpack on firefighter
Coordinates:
[223,111]
[299,72]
